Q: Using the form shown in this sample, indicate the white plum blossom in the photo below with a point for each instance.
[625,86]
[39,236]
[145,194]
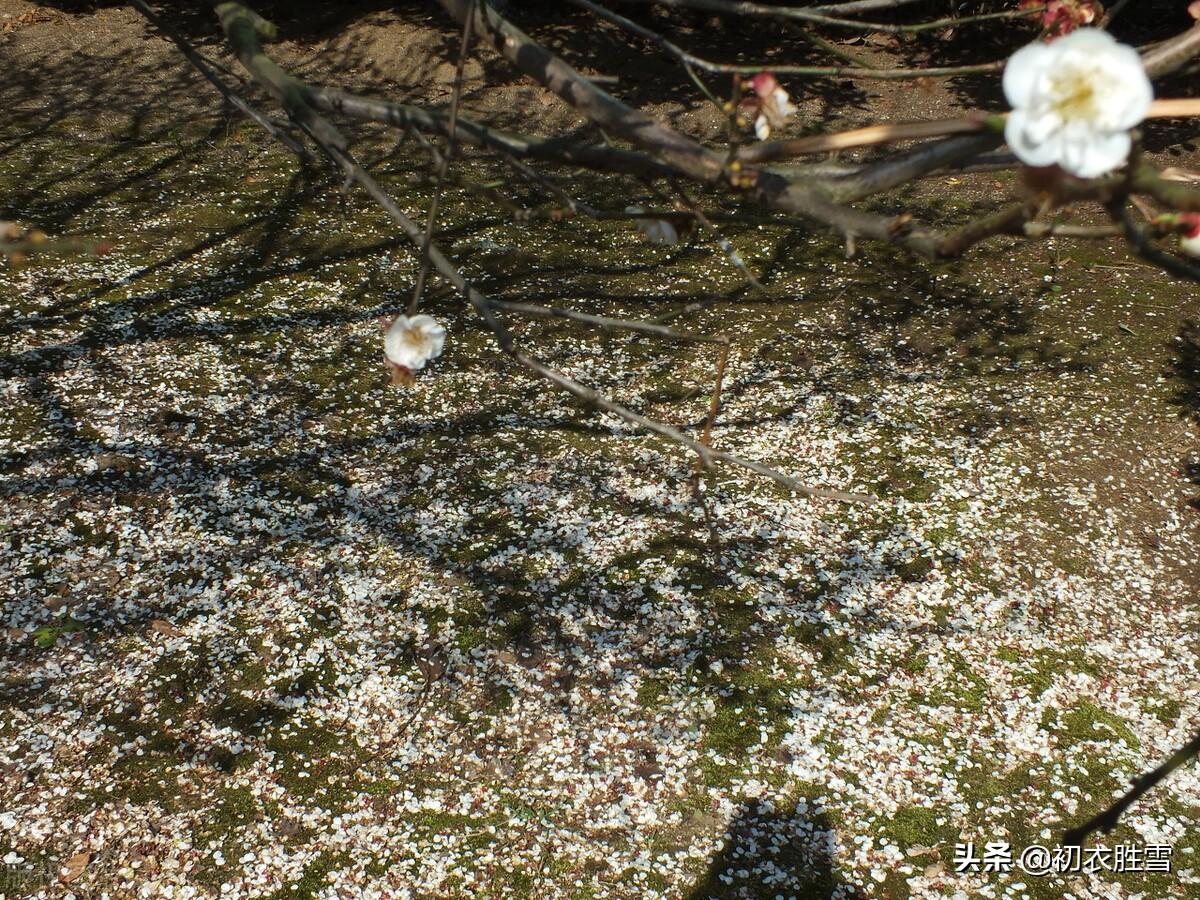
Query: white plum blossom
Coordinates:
[656,231]
[411,342]
[1074,101]
[774,104]
[1189,239]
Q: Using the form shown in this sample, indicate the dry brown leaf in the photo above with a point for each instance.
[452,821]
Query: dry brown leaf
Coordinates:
[33,17]
[74,867]
[920,850]
[162,626]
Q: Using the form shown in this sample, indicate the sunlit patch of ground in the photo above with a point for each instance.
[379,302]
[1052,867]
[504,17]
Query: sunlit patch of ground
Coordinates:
[276,629]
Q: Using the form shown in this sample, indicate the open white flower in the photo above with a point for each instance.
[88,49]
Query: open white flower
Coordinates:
[1074,101]
[656,231]
[774,104]
[412,342]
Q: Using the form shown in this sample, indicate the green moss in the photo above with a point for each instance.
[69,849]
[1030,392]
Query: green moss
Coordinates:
[468,637]
[385,787]
[1008,655]
[965,690]
[651,691]
[499,699]
[754,705]
[1166,709]
[315,879]
[918,825]
[1087,722]
[1039,675]
[914,570]
[833,649]
[47,636]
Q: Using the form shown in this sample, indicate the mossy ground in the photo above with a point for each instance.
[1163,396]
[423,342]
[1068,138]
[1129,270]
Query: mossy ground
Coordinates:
[229,253]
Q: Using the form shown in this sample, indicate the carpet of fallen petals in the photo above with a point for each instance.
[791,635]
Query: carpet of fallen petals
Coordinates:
[275,628]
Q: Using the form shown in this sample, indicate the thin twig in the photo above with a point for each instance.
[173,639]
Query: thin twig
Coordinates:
[714,404]
[855,69]
[259,66]
[758,10]
[647,328]
[451,146]
[719,236]
[1146,248]
[1112,12]
[205,67]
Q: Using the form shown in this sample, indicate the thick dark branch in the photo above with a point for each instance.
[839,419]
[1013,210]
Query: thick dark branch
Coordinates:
[689,157]
[556,150]
[1145,247]
[1106,821]
[482,304]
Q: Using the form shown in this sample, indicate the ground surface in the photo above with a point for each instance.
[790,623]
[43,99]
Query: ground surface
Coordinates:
[274,628]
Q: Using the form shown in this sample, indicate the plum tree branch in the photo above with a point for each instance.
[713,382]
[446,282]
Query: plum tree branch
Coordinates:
[849,71]
[1106,821]
[236,18]
[688,157]
[801,14]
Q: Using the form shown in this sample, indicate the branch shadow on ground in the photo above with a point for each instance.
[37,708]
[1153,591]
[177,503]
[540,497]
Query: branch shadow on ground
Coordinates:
[1184,370]
[272,505]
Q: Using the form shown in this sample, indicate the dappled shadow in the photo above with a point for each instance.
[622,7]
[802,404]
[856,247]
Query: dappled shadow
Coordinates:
[775,848]
[281,464]
[1184,371]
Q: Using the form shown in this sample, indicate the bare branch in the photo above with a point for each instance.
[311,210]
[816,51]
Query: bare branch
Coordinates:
[1146,248]
[851,71]
[885,133]
[205,68]
[243,27]
[647,328]
[253,57]
[682,153]
[1106,821]
[1174,53]
[443,166]
[603,158]
[758,10]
